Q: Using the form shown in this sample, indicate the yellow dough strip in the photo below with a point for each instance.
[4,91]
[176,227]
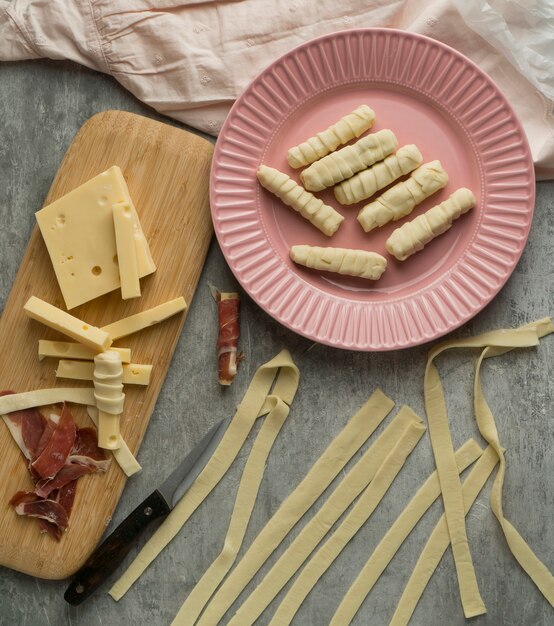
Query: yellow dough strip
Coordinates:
[395,537]
[443,451]
[242,511]
[356,518]
[350,487]
[439,540]
[251,406]
[318,478]
[535,569]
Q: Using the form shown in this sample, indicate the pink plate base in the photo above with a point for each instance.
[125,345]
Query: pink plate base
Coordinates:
[428,94]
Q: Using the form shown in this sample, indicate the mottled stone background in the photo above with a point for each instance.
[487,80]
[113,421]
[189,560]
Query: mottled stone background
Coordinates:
[42,105]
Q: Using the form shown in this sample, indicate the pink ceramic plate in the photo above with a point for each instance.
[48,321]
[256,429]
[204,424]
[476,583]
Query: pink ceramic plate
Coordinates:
[428,94]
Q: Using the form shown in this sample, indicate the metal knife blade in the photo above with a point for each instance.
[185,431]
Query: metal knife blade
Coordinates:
[107,557]
[182,477]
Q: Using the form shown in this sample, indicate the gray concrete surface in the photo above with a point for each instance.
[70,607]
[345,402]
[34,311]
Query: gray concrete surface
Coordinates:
[42,104]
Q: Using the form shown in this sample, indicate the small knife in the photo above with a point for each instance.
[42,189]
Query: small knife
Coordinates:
[110,553]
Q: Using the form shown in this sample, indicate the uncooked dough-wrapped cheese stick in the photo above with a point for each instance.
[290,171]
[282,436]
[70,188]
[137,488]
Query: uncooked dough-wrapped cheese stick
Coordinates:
[313,209]
[347,128]
[360,263]
[412,236]
[400,200]
[367,182]
[344,163]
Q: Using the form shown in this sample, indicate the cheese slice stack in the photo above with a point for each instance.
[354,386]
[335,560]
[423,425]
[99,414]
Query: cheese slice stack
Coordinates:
[79,232]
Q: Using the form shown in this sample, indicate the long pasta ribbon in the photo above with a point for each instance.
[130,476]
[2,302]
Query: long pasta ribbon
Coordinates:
[255,402]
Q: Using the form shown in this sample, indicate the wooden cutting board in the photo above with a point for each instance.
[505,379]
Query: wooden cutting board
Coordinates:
[167,171]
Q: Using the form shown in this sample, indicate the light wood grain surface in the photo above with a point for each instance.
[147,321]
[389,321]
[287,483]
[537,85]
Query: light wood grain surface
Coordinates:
[167,171]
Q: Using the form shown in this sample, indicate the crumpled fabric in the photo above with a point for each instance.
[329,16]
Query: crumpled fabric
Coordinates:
[191,59]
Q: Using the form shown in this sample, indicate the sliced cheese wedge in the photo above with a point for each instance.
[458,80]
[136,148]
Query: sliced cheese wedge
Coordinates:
[49,315]
[70,350]
[133,373]
[78,231]
[144,319]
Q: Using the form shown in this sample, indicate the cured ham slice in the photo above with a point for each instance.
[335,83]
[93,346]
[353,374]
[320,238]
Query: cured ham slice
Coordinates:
[26,427]
[85,458]
[58,454]
[28,503]
[58,448]
[65,496]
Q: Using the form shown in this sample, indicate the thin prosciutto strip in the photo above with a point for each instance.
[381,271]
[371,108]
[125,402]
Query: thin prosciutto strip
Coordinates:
[28,503]
[227,341]
[58,448]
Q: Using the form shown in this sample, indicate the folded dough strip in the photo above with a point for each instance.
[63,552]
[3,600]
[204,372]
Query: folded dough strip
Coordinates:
[350,487]
[395,537]
[253,404]
[344,163]
[401,199]
[356,518]
[321,215]
[310,488]
[348,127]
[439,541]
[532,565]
[443,451]
[414,235]
[242,511]
[367,182]
[347,261]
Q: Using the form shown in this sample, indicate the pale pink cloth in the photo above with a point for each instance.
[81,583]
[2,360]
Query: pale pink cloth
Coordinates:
[191,59]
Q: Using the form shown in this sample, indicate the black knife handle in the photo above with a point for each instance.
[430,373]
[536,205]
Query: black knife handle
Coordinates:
[111,552]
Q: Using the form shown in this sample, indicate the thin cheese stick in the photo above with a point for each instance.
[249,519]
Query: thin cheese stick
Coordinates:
[362,263]
[145,319]
[395,536]
[348,127]
[253,402]
[318,478]
[133,373]
[443,451]
[242,511]
[71,350]
[122,455]
[350,487]
[322,216]
[439,540]
[344,163]
[367,182]
[413,236]
[401,199]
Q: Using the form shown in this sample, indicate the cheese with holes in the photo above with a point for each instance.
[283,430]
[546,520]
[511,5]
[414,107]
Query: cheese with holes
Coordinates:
[109,396]
[70,350]
[133,373]
[144,319]
[78,230]
[49,315]
[126,250]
